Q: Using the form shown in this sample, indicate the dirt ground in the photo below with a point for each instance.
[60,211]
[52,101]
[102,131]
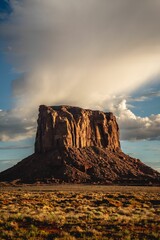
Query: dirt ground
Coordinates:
[79,212]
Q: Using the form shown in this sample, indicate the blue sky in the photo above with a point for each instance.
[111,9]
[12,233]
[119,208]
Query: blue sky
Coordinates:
[96,55]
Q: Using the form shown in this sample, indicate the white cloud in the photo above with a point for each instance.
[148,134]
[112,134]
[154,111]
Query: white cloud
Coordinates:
[83,53]
[79,52]
[135,127]
[15,126]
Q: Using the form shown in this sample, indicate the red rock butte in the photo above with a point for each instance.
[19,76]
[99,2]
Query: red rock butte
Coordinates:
[76,145]
[66,126]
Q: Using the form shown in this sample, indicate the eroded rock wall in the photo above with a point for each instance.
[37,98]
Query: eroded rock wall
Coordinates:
[76,145]
[66,126]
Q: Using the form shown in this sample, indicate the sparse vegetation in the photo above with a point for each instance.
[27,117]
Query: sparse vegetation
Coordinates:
[86,214]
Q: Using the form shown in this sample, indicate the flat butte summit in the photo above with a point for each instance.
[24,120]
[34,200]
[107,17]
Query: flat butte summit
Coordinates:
[75,145]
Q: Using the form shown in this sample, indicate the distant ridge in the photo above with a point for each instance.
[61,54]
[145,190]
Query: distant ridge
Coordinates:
[76,145]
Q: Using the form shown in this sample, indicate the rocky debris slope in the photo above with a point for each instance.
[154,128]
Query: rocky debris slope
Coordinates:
[76,145]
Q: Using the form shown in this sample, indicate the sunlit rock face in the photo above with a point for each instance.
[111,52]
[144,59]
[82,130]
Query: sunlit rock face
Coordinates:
[76,145]
[66,126]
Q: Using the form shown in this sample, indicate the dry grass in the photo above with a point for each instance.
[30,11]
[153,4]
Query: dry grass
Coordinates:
[79,213]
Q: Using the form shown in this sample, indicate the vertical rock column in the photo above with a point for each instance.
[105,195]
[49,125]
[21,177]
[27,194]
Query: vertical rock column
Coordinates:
[45,130]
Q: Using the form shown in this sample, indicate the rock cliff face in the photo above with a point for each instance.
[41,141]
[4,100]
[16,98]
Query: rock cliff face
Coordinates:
[66,126]
[76,145]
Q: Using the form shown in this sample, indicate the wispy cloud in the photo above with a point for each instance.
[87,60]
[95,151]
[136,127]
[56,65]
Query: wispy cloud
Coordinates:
[15,125]
[146,96]
[153,94]
[82,53]
[7,163]
[79,52]
[14,147]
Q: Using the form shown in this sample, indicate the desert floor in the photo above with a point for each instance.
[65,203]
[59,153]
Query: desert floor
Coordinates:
[79,212]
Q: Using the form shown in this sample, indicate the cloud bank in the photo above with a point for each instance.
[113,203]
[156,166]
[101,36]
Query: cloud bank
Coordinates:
[135,127]
[81,53]
[14,127]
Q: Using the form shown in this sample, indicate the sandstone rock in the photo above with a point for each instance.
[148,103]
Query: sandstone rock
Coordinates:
[76,145]
[66,126]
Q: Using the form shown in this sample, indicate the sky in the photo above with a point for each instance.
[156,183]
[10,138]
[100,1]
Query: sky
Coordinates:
[94,54]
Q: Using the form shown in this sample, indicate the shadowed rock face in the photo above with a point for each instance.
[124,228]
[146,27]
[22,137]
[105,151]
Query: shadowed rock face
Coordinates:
[76,145]
[66,126]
